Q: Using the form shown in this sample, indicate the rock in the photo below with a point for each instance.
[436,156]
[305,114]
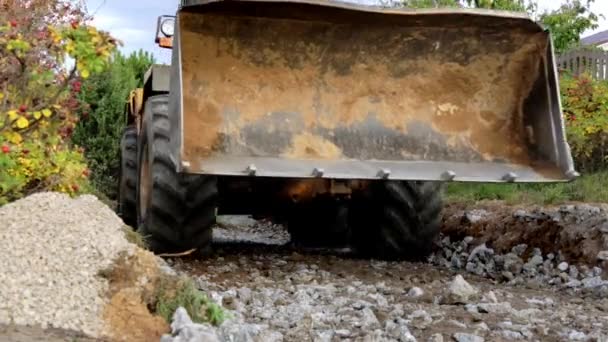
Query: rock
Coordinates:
[511,335]
[519,249]
[593,282]
[513,263]
[270,336]
[180,319]
[508,276]
[165,267]
[319,320]
[535,261]
[475,215]
[527,314]
[448,253]
[455,261]
[481,252]
[563,266]
[457,324]
[244,294]
[520,213]
[420,319]
[472,308]
[540,302]
[603,255]
[398,330]
[459,291]
[481,327]
[229,302]
[584,272]
[446,241]
[573,283]
[464,337]
[436,338]
[238,332]
[321,336]
[490,297]
[495,308]
[415,292]
[596,271]
[184,330]
[368,319]
[343,333]
[576,336]
[573,272]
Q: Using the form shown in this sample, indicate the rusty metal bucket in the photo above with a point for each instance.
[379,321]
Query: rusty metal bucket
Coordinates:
[324,89]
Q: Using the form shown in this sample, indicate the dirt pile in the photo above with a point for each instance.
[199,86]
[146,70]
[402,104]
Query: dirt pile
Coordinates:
[577,234]
[135,282]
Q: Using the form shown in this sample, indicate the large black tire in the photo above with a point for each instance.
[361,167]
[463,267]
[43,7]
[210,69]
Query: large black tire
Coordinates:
[322,222]
[175,211]
[127,178]
[395,220]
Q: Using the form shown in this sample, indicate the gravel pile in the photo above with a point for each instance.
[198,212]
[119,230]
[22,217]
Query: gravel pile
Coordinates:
[53,248]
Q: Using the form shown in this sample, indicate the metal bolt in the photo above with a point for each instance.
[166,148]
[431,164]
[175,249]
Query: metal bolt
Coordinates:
[448,175]
[510,177]
[318,172]
[251,170]
[384,173]
[572,175]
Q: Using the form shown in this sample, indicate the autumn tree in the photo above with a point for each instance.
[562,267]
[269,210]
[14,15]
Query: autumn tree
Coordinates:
[46,48]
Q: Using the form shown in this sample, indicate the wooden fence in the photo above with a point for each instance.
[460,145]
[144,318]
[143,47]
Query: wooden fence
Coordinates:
[578,61]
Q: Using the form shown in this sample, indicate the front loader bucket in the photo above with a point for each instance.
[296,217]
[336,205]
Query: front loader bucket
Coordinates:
[307,89]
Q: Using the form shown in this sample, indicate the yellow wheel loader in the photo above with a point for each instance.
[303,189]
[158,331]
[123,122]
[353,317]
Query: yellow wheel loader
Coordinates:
[341,120]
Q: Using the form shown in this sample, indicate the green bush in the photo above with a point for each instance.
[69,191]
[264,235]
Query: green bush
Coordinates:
[585,106]
[102,118]
[185,294]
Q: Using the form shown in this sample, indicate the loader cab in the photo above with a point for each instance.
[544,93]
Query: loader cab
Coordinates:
[165,29]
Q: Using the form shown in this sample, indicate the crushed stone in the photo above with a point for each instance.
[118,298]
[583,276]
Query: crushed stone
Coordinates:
[53,250]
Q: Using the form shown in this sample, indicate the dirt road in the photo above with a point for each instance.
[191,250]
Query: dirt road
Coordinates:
[279,293]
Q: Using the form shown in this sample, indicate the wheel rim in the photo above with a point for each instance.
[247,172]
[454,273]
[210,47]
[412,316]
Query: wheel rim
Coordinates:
[145,183]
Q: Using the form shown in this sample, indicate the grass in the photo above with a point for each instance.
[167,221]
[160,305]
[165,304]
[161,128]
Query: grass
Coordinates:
[587,188]
[196,303]
[135,237]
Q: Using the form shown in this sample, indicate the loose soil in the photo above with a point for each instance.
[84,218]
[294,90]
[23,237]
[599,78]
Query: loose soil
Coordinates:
[578,231]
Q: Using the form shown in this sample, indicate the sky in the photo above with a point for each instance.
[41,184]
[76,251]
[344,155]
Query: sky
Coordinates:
[134,21]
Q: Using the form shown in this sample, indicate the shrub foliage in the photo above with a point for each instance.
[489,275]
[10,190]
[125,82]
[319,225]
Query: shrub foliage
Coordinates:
[46,48]
[103,118]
